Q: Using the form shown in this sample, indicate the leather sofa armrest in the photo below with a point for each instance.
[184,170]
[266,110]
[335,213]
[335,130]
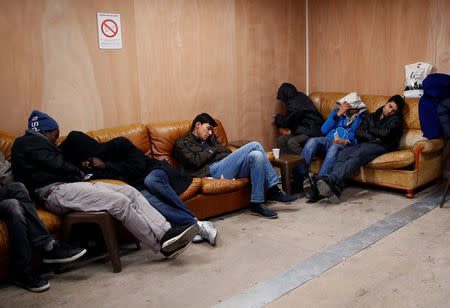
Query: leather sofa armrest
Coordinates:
[428,146]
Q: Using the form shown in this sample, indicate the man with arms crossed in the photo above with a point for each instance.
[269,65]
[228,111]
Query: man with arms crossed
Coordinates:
[200,154]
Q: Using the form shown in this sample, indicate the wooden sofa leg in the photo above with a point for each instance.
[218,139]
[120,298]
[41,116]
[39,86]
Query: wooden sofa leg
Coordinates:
[409,193]
[109,235]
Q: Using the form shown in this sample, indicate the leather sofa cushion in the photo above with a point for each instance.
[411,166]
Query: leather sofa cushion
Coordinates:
[192,190]
[163,136]
[218,186]
[393,160]
[137,133]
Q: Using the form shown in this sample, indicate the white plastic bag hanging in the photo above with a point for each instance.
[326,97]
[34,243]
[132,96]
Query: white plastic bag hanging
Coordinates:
[415,74]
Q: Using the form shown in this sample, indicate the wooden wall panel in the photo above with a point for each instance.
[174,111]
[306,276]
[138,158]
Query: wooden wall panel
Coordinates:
[364,45]
[179,58]
[270,50]
[53,64]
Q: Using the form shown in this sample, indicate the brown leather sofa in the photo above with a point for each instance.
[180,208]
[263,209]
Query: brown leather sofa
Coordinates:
[205,197]
[416,162]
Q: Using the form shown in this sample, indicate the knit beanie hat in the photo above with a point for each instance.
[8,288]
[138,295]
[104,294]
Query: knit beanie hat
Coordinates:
[39,121]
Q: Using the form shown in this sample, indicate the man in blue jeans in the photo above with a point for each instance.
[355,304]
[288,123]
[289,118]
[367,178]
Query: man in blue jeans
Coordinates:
[200,154]
[339,132]
[158,181]
[380,132]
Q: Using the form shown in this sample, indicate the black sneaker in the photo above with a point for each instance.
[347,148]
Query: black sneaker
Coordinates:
[63,253]
[174,253]
[262,211]
[32,282]
[328,190]
[177,237]
[313,194]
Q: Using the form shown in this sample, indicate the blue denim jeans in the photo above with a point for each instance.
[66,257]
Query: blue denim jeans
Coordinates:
[319,145]
[162,197]
[247,161]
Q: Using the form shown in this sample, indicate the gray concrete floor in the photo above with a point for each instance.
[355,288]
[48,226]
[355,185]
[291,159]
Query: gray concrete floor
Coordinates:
[408,268]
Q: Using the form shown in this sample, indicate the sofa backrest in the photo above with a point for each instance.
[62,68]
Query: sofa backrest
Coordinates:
[325,102]
[6,142]
[163,135]
[136,133]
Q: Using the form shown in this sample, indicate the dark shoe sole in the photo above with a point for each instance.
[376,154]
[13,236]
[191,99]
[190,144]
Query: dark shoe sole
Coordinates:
[325,190]
[40,289]
[268,217]
[178,251]
[181,239]
[284,202]
[66,260]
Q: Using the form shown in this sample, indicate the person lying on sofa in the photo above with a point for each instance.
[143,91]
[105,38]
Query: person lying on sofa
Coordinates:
[302,118]
[40,165]
[339,132]
[200,154]
[378,133]
[158,181]
[26,230]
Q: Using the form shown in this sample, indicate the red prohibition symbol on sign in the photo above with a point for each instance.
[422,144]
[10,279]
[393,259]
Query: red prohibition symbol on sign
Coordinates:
[109,25]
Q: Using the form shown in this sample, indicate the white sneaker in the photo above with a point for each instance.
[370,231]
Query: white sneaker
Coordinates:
[208,231]
[197,239]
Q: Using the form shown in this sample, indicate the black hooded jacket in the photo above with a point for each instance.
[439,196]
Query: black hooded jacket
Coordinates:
[387,131]
[123,161]
[301,116]
[36,162]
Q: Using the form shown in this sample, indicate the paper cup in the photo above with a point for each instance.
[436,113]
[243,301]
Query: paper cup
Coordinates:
[276,153]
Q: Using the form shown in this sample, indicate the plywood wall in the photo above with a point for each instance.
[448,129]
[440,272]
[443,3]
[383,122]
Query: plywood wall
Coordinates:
[361,45]
[179,58]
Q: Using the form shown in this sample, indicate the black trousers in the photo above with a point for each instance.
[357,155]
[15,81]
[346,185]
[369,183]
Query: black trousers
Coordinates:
[349,160]
[291,144]
[25,228]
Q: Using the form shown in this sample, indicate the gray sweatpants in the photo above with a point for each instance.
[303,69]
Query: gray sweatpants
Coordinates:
[121,201]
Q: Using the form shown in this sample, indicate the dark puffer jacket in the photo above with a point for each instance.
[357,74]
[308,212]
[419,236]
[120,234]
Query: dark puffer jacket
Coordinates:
[36,162]
[387,131]
[301,116]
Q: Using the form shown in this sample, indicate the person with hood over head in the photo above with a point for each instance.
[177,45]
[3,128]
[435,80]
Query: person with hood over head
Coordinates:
[159,182]
[379,133]
[302,118]
[339,131]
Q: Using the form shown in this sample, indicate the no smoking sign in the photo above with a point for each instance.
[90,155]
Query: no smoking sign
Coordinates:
[109,31]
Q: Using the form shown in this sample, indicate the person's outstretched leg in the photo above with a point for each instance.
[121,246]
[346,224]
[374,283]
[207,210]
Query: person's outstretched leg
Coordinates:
[163,197]
[312,147]
[330,158]
[158,184]
[174,215]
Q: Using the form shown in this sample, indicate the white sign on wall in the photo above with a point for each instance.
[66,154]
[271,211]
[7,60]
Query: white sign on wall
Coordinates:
[109,31]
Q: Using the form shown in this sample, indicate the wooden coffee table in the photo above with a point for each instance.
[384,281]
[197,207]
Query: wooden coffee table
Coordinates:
[287,163]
